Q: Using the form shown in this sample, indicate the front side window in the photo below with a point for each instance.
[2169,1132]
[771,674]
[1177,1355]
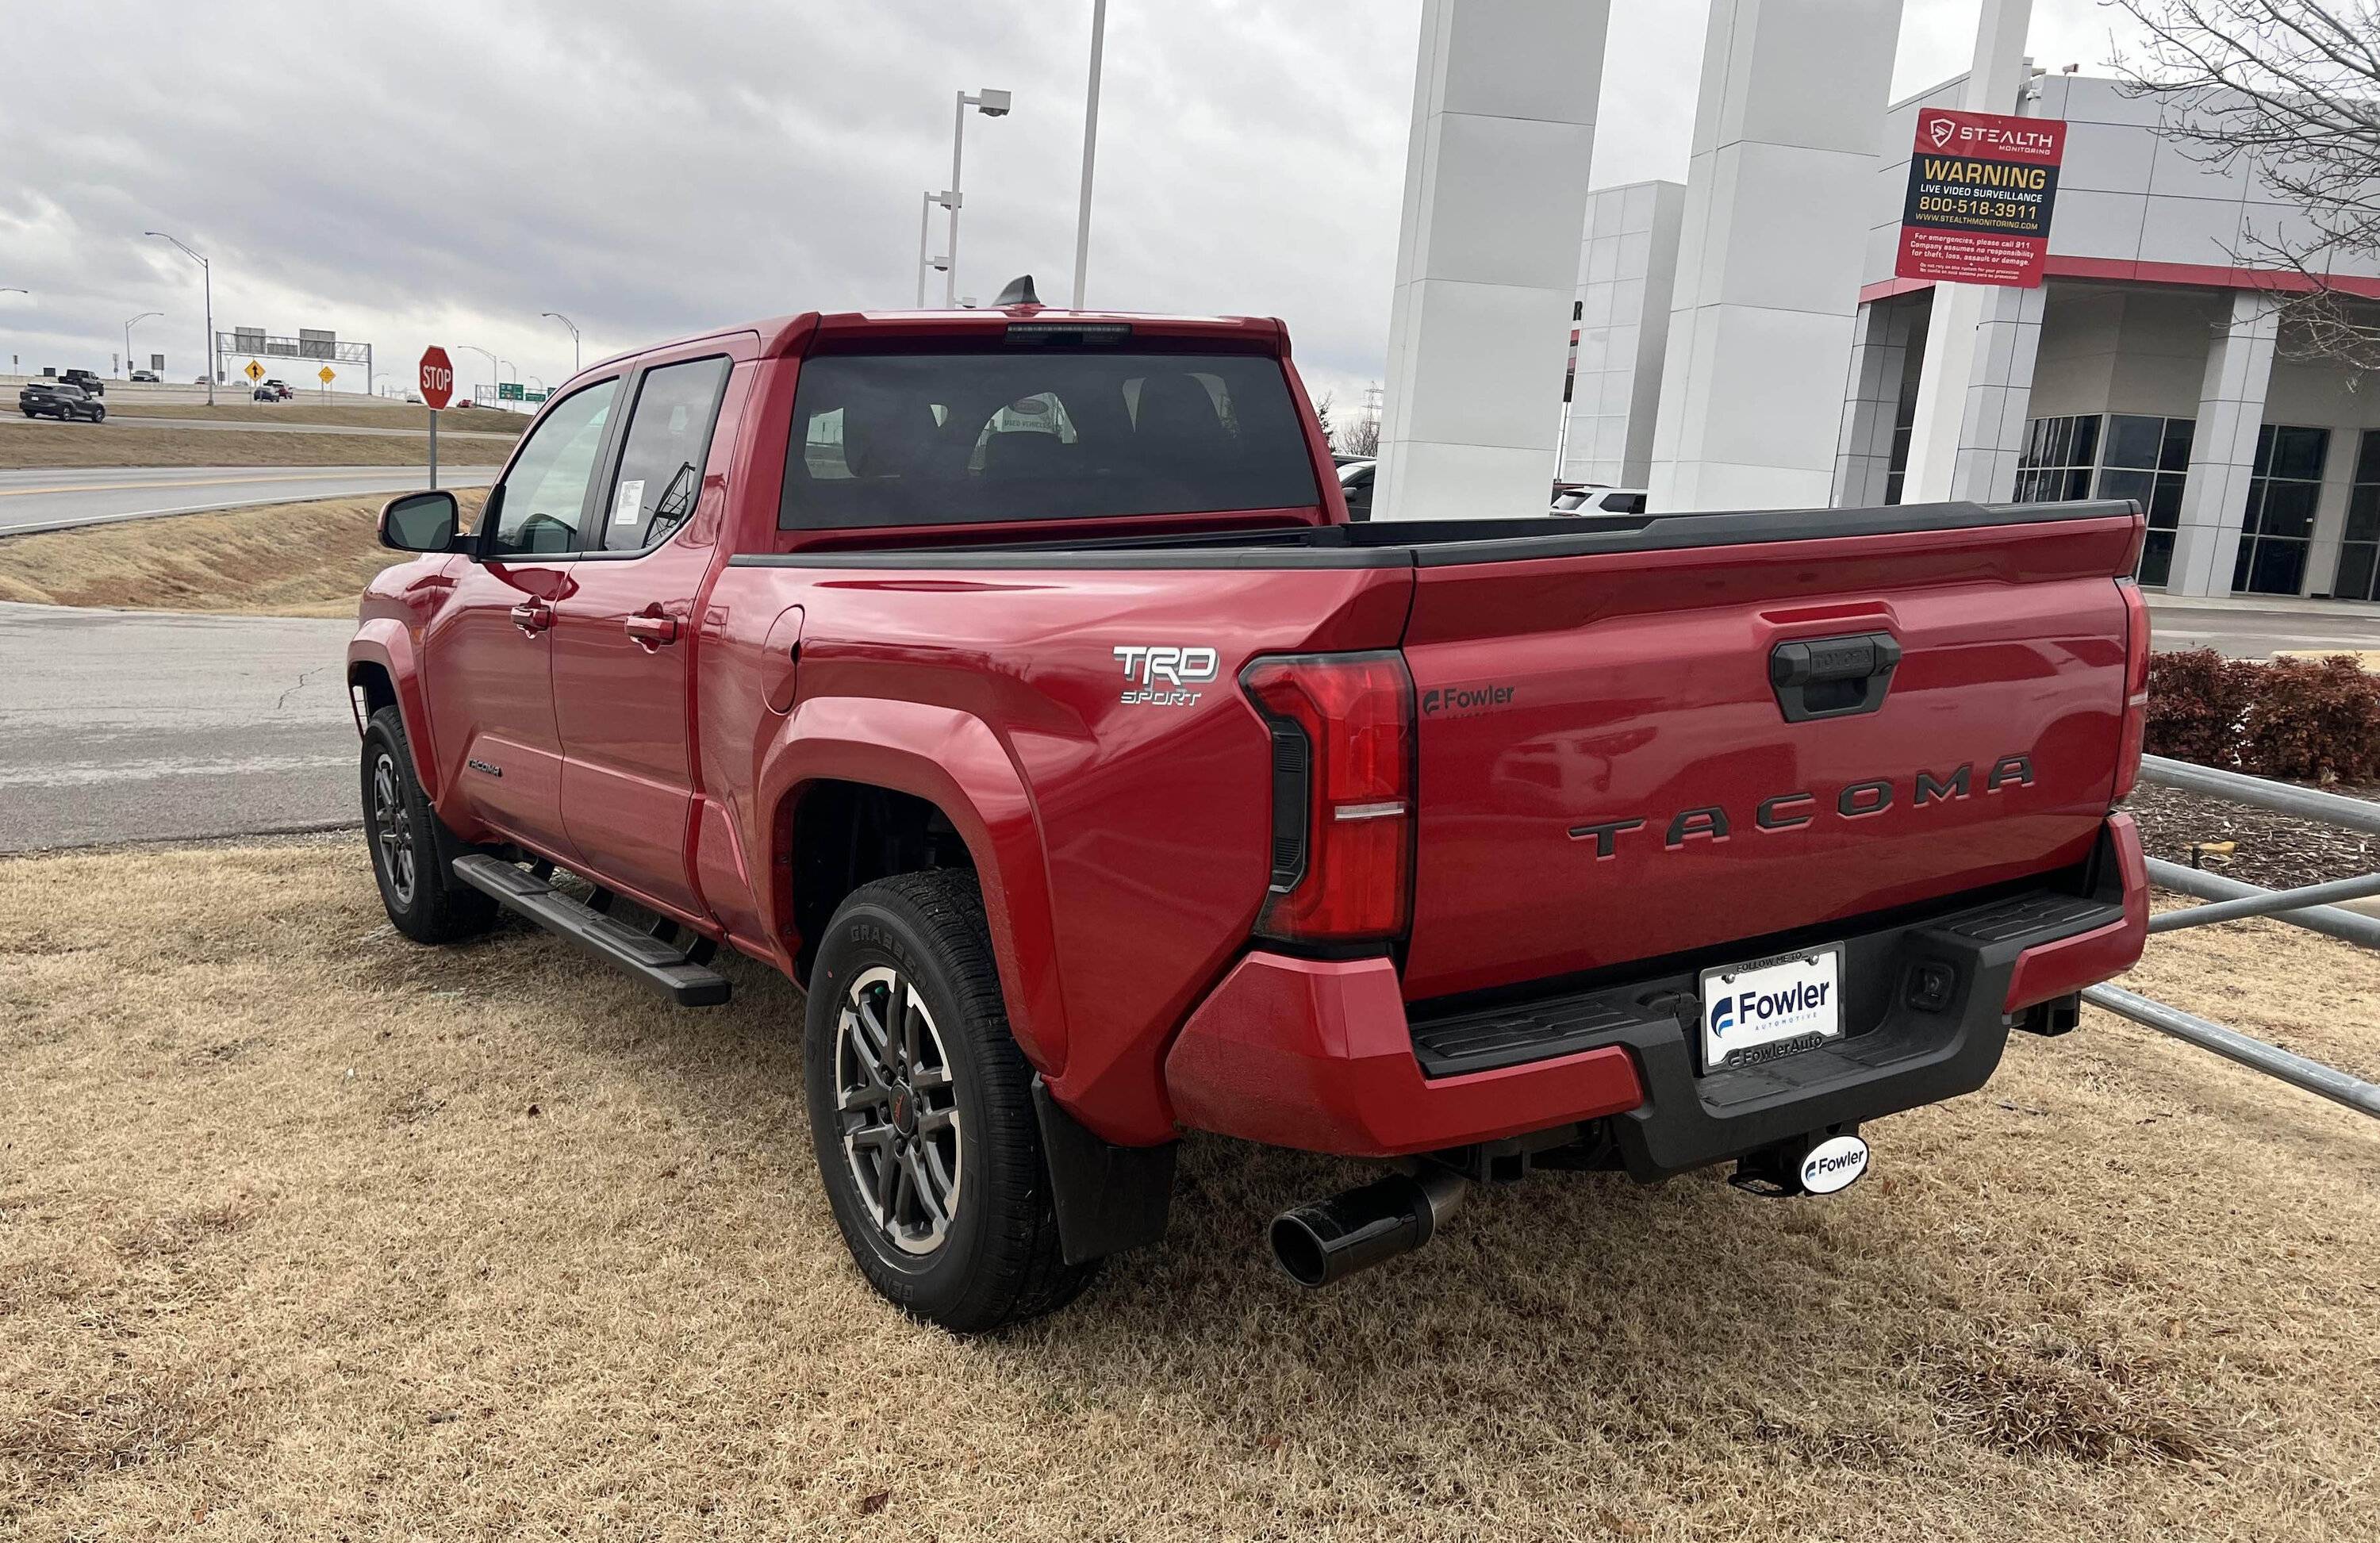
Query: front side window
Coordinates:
[545,491]
[660,465]
[976,438]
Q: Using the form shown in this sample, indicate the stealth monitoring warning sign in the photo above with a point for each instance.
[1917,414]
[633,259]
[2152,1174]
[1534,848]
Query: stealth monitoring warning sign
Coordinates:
[1980,190]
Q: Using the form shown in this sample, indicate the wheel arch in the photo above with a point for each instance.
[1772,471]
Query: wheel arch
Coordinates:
[382,673]
[856,784]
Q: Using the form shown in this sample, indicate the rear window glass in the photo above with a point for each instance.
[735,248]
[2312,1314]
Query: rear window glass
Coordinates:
[957,439]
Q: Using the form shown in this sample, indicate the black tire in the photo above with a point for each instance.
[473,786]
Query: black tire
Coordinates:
[412,850]
[996,1260]
[99,415]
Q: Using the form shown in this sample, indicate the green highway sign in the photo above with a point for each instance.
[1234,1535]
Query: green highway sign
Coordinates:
[509,391]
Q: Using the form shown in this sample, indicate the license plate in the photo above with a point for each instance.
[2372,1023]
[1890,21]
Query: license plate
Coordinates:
[1771,1007]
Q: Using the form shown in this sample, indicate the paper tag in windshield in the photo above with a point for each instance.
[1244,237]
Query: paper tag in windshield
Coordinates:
[629,505]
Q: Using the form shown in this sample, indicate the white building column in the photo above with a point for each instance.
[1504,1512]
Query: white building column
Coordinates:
[1495,176]
[1786,128]
[1872,400]
[2000,385]
[2223,448]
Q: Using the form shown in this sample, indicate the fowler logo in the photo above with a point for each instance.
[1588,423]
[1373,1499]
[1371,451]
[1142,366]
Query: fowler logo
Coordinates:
[1463,698]
[1799,1000]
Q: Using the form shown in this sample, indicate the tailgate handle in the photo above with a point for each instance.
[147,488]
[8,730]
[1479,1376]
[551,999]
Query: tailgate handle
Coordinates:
[1833,677]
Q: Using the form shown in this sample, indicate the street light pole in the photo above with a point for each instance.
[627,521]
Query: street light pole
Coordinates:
[574,336]
[206,277]
[490,353]
[991,104]
[127,337]
[925,227]
[1090,150]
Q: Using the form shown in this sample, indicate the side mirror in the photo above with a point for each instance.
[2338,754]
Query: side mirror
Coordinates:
[420,522]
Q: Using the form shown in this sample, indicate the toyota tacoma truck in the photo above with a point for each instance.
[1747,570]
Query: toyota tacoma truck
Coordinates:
[1015,682]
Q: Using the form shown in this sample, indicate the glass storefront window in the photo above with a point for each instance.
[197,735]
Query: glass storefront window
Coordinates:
[2148,459]
[2359,549]
[2277,531]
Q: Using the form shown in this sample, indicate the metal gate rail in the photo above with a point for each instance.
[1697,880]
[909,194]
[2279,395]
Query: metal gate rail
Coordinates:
[2306,905]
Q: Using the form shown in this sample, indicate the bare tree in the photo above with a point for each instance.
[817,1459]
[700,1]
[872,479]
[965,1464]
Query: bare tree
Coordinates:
[1322,405]
[2287,90]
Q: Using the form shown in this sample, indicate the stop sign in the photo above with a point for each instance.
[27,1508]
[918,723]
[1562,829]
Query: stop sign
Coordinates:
[437,377]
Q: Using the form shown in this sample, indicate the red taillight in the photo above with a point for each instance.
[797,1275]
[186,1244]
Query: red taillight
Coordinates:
[1342,794]
[2136,687]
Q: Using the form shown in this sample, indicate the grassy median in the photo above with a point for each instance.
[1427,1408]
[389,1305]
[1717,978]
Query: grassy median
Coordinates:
[66,445]
[306,1232]
[342,412]
[308,559]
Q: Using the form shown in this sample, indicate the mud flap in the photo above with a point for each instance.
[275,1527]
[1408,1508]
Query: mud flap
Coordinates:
[1108,1198]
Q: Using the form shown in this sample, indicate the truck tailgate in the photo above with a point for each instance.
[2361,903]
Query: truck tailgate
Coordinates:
[1607,773]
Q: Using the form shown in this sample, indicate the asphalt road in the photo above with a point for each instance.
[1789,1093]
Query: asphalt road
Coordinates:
[2259,628]
[132,726]
[243,426]
[56,499]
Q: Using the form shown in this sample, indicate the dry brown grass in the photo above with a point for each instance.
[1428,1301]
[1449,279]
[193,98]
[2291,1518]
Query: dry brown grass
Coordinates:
[52,445]
[307,559]
[342,413]
[308,1231]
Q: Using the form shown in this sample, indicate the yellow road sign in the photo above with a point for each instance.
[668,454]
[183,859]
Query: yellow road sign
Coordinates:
[254,371]
[328,375]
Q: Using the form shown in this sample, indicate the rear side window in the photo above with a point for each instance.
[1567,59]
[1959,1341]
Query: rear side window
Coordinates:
[958,438]
[661,466]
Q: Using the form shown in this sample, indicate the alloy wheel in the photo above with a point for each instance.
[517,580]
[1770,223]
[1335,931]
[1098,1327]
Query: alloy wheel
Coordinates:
[897,1105]
[393,828]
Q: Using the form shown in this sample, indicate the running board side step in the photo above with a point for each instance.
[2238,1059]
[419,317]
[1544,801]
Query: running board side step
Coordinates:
[642,955]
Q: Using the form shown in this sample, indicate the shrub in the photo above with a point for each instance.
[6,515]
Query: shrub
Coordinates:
[2304,719]
[2197,700]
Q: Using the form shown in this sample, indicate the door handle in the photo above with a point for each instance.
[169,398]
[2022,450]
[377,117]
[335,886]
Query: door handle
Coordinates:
[533,616]
[651,628]
[1833,677]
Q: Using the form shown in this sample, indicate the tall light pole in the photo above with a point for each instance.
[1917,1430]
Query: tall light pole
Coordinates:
[491,357]
[207,274]
[945,200]
[574,335]
[1090,150]
[991,104]
[127,337]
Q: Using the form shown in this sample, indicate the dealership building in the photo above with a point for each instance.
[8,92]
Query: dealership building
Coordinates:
[2150,364]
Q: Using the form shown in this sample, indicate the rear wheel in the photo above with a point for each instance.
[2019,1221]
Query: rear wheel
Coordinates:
[921,1111]
[412,850]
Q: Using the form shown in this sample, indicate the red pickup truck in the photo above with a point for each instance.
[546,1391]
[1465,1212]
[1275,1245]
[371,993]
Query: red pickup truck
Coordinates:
[1015,681]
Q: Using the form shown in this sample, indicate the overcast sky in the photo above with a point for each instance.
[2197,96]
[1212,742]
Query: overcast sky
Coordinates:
[417,173]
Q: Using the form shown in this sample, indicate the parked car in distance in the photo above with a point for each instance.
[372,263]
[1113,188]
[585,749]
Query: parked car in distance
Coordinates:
[58,399]
[1108,784]
[1600,500]
[145,377]
[1355,487]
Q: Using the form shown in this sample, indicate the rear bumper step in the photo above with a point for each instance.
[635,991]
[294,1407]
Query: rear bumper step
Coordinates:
[642,955]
